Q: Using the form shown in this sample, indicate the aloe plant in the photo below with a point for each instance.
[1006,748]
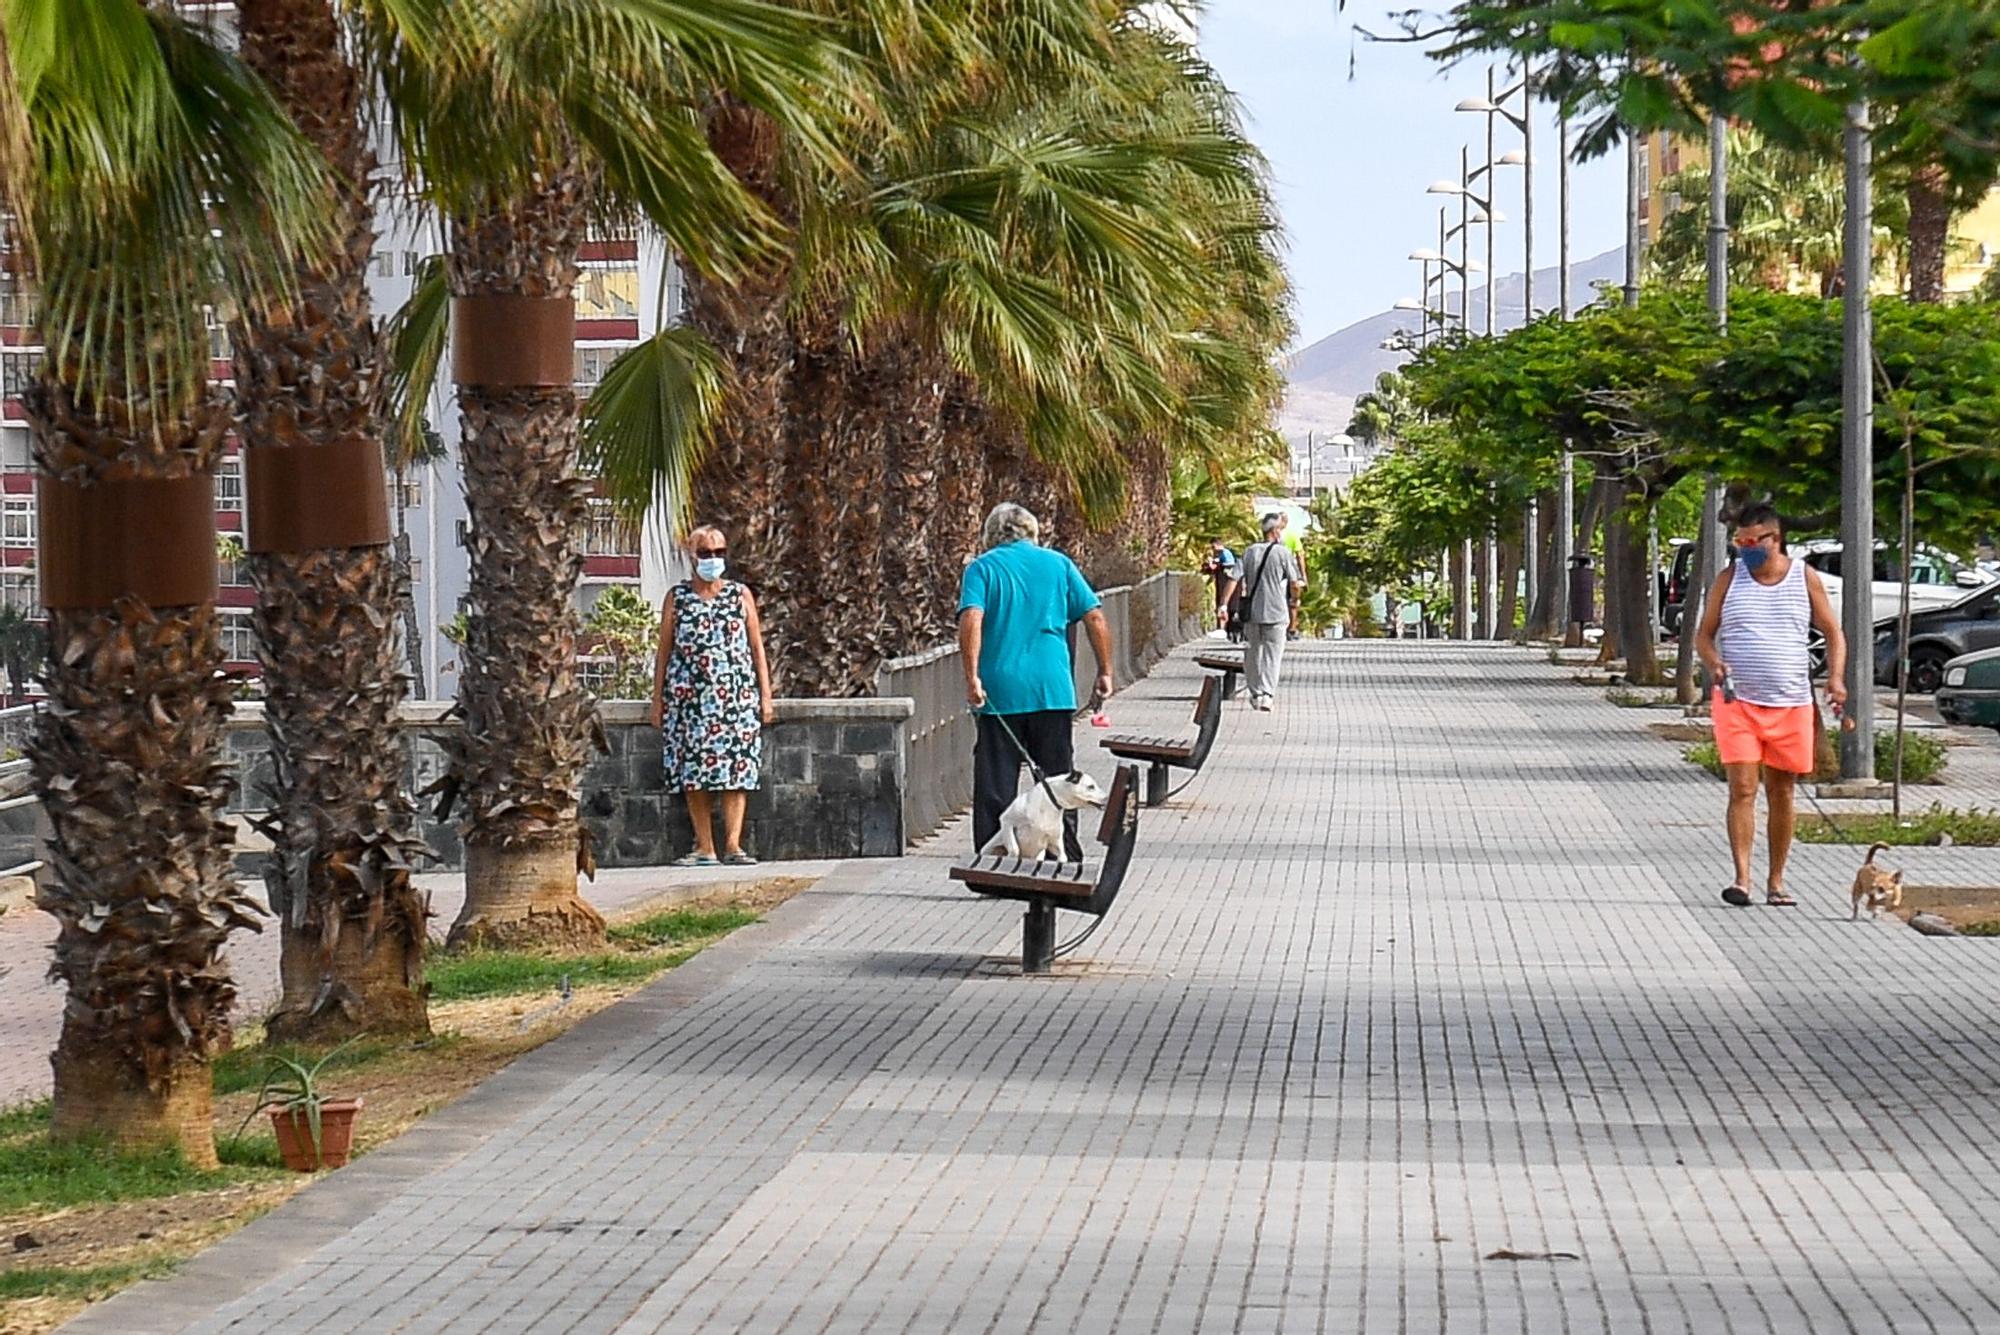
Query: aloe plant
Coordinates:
[291,1087]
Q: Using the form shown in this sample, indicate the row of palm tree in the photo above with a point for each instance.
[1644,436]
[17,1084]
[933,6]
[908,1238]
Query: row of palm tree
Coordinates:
[938,250]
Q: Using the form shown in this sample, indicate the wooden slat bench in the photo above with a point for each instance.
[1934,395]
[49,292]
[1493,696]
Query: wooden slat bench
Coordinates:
[1045,886]
[1229,664]
[1160,753]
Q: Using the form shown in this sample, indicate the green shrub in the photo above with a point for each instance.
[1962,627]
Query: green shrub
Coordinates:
[1924,758]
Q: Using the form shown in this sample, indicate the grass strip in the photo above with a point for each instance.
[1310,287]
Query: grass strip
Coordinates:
[1974,828]
[645,947]
[97,1281]
[36,1172]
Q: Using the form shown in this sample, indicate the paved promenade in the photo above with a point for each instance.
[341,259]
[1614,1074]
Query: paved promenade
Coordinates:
[1419,1013]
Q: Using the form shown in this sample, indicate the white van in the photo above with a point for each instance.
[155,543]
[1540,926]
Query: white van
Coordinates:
[1937,579]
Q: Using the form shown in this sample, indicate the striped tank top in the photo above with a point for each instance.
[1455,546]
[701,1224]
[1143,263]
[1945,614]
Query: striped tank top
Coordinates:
[1763,638]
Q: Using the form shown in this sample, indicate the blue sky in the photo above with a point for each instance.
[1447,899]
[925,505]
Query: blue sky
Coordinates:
[1354,155]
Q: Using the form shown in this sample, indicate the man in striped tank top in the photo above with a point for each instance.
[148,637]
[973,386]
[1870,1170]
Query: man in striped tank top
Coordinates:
[1753,635]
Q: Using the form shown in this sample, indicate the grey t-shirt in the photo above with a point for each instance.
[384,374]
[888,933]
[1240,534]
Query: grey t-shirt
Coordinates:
[1267,594]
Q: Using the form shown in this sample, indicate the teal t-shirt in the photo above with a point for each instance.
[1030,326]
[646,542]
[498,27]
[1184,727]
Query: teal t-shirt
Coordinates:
[1029,595]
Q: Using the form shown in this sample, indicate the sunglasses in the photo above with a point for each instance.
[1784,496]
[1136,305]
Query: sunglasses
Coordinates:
[703,553]
[1756,542]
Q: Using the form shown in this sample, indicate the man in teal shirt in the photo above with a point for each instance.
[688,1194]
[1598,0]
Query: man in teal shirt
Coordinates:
[1016,604]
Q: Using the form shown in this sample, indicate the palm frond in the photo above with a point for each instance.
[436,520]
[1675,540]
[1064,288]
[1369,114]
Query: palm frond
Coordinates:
[416,342]
[647,423]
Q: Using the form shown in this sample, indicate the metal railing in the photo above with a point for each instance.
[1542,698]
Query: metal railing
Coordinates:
[1146,622]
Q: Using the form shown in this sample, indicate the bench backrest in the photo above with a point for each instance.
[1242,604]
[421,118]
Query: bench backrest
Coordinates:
[1119,833]
[1207,719]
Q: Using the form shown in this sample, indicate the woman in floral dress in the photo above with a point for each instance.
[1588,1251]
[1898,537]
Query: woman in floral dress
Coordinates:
[711,698]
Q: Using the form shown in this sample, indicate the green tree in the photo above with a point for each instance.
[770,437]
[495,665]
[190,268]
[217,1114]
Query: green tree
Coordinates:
[146,139]
[625,628]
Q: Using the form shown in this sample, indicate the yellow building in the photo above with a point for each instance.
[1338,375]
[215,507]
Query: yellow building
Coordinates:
[1975,234]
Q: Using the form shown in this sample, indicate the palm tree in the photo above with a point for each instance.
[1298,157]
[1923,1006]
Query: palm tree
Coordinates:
[1025,265]
[310,385]
[146,138]
[523,122]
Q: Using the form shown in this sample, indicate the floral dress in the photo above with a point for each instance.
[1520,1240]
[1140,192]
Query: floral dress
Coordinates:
[712,729]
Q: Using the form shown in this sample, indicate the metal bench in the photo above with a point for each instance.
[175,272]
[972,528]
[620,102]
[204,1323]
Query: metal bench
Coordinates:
[1160,753]
[1230,665]
[1045,886]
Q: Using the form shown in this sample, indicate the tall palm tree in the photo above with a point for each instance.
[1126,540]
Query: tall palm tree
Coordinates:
[523,122]
[1011,264]
[310,386]
[146,138]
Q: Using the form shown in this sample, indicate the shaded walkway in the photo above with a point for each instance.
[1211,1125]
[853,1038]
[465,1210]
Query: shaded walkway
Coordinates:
[1427,967]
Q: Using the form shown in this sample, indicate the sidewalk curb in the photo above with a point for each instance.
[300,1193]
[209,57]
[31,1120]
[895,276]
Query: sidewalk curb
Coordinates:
[326,1210]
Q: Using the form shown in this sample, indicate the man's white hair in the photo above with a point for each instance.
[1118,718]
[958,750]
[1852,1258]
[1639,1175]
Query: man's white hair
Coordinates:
[1009,523]
[1274,521]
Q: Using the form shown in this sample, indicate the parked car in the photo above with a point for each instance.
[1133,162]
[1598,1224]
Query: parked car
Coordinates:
[1937,636]
[1937,579]
[1971,691]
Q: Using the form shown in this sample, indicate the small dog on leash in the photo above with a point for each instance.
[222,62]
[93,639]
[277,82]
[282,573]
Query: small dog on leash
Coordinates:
[1876,888]
[1032,825]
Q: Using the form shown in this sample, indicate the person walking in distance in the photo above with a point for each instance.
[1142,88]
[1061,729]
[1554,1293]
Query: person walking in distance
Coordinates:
[1271,581]
[1222,569]
[1016,603]
[1753,639]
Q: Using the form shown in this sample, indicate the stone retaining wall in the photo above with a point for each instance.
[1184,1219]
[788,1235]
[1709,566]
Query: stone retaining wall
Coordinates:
[833,784]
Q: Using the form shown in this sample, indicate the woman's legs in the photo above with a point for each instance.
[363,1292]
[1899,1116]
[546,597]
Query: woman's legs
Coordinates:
[702,812]
[733,802]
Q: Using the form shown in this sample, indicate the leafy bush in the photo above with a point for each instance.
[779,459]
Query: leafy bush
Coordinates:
[1924,758]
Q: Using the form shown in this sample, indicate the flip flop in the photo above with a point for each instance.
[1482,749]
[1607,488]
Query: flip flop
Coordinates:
[1778,899]
[694,860]
[738,859]
[1737,897]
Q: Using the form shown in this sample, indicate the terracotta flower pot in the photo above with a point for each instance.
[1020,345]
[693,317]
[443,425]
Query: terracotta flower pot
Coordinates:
[336,1135]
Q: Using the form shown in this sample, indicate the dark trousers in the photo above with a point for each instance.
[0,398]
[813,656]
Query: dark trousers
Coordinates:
[996,769]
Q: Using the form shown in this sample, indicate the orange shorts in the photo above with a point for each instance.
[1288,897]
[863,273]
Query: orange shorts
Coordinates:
[1777,736]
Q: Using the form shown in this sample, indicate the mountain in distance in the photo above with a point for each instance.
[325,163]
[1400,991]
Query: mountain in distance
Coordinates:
[1323,379]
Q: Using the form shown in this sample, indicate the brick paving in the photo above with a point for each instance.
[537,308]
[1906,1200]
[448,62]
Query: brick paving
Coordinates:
[1419,1013]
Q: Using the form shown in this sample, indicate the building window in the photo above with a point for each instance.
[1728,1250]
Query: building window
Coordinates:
[17,521]
[607,533]
[413,260]
[219,348]
[239,641]
[18,308]
[608,291]
[18,371]
[416,570]
[17,590]
[591,364]
[385,264]
[407,492]
[229,484]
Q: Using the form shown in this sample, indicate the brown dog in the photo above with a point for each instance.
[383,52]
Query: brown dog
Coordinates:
[1876,888]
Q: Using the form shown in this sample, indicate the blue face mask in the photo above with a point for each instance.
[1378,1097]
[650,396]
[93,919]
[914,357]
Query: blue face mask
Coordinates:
[710,568]
[1753,558]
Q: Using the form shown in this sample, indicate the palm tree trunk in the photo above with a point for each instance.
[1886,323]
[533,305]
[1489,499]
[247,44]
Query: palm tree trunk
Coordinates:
[1545,618]
[128,761]
[310,381]
[836,541]
[1930,232]
[518,762]
[916,379]
[740,486]
[963,498]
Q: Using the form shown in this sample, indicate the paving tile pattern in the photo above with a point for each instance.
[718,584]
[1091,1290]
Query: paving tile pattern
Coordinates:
[1418,1013]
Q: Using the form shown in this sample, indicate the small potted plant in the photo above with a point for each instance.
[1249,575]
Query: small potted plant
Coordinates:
[313,1130]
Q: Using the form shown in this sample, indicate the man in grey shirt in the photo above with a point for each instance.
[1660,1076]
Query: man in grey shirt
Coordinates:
[1270,582]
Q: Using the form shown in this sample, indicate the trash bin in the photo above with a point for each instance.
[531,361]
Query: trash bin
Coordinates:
[1582,590]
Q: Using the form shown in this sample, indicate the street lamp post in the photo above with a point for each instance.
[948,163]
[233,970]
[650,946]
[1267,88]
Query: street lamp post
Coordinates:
[1857,460]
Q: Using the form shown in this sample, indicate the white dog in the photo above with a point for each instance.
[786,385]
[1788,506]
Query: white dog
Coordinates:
[1032,825]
